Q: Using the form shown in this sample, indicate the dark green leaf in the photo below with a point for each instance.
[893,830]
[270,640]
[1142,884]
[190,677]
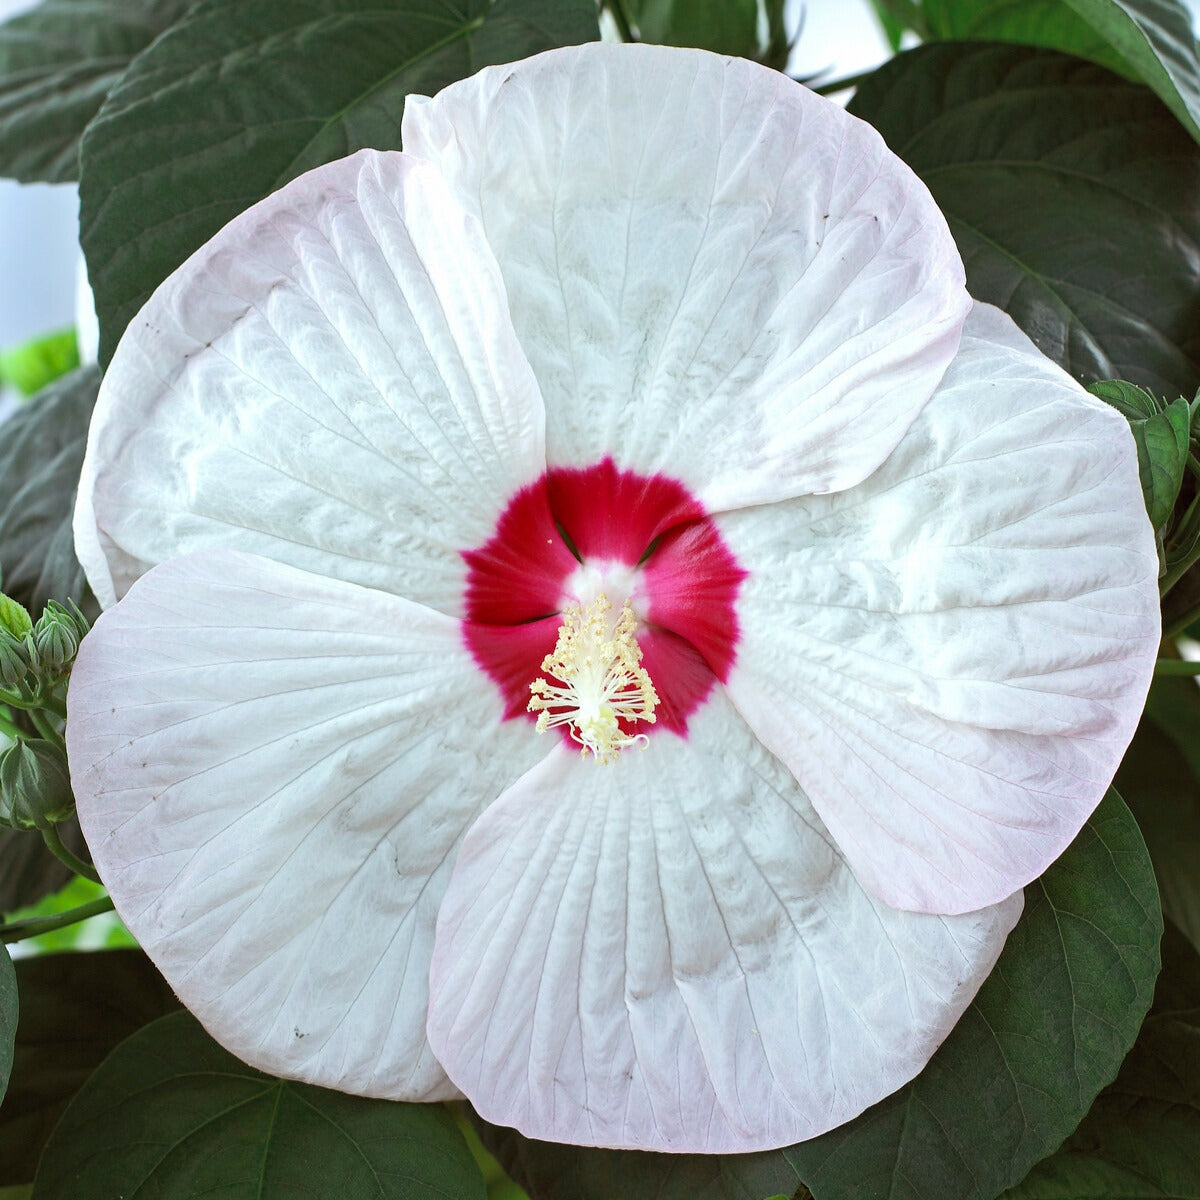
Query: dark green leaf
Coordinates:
[1162,791]
[57,63]
[1162,444]
[28,871]
[548,1171]
[1133,403]
[1050,24]
[41,451]
[1141,1140]
[243,95]
[1148,40]
[171,1114]
[1047,1031]
[725,26]
[8,1017]
[76,1008]
[1162,433]
[1071,193]
[1155,39]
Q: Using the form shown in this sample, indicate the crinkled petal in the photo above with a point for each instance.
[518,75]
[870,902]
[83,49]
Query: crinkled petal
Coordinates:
[332,381]
[700,252]
[952,657]
[274,773]
[669,953]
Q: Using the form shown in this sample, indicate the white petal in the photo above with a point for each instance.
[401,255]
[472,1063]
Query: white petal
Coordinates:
[273,773]
[699,251]
[670,954]
[952,657]
[332,381]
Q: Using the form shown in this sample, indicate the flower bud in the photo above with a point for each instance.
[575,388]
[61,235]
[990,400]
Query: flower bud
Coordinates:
[35,788]
[56,636]
[14,660]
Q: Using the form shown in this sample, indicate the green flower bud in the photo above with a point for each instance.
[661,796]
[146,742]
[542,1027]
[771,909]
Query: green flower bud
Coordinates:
[56,636]
[35,787]
[14,617]
[15,653]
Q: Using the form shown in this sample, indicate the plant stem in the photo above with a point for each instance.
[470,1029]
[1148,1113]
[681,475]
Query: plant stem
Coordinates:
[840,85]
[33,926]
[8,728]
[1176,666]
[616,9]
[46,729]
[55,845]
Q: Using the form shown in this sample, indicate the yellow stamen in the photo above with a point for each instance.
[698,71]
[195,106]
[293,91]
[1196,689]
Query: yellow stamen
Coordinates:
[599,680]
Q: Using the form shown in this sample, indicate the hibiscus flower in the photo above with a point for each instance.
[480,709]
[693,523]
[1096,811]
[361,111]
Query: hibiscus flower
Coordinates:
[598,621]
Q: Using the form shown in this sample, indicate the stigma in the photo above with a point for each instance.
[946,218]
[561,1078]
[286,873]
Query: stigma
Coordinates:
[595,680]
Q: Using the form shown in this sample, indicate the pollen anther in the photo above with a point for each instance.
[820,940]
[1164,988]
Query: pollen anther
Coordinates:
[595,680]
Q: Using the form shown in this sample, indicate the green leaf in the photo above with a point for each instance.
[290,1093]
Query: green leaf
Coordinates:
[57,64]
[1050,24]
[244,95]
[1141,1139]
[41,452]
[1132,402]
[1071,194]
[1150,41]
[1155,38]
[1161,789]
[8,1017]
[548,1171]
[1162,446]
[1047,1031]
[28,871]
[1162,434]
[171,1114]
[30,366]
[724,26]
[77,1007]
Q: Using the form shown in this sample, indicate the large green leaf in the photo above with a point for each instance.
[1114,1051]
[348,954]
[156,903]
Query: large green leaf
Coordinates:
[8,1017]
[41,451]
[57,64]
[548,1171]
[1148,40]
[172,1115]
[243,95]
[1047,1031]
[1163,791]
[1071,193]
[1141,1140]
[727,26]
[77,1007]
[28,871]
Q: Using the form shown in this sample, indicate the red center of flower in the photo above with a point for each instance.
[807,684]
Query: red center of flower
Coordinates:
[579,532]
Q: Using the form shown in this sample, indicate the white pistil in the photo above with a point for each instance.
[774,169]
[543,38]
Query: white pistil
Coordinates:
[600,680]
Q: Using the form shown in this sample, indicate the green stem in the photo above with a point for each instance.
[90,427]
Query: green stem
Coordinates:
[53,702]
[33,926]
[46,729]
[1180,624]
[55,845]
[841,85]
[617,10]
[8,728]
[1176,666]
